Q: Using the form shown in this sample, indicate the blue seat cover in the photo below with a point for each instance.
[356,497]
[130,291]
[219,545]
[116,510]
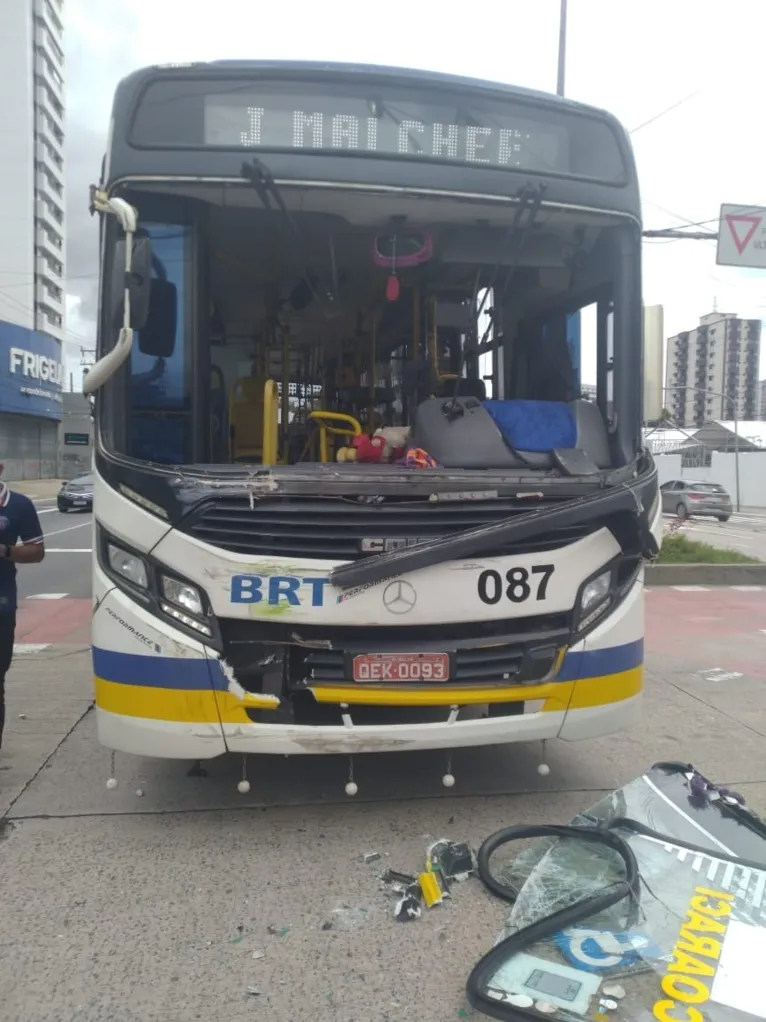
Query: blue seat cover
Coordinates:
[540,426]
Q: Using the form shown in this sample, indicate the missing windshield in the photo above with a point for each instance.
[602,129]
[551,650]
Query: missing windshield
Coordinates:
[317,326]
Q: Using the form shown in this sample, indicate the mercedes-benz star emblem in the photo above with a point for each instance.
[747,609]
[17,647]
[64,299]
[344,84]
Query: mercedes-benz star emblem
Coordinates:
[399,597]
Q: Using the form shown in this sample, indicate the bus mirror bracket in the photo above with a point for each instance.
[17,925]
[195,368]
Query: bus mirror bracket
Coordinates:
[127,217]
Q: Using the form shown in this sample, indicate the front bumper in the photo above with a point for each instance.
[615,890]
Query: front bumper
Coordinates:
[710,509]
[160,694]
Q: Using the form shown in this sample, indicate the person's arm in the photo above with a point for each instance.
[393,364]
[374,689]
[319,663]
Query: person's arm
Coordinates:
[27,553]
[31,549]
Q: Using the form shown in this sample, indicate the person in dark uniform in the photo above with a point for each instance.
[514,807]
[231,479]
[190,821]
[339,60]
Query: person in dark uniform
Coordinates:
[21,542]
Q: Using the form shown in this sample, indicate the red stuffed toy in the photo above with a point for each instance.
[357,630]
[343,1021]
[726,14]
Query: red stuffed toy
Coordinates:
[385,445]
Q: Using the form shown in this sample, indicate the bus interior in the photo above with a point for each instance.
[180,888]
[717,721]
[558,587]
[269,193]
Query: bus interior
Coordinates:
[343,326]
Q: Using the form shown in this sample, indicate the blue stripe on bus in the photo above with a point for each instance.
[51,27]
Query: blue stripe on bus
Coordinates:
[195,674]
[594,663]
[190,673]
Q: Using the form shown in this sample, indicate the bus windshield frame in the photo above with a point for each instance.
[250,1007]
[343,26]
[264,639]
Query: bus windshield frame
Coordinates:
[134,162]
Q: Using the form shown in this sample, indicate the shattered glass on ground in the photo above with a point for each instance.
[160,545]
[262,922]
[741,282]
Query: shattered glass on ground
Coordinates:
[689,948]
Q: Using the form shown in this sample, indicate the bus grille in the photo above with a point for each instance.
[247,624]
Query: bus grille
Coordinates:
[521,650]
[333,528]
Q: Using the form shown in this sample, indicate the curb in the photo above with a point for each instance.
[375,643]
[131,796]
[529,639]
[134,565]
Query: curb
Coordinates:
[705,574]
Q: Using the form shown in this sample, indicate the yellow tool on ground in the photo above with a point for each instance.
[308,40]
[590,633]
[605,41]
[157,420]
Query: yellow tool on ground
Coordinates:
[431,888]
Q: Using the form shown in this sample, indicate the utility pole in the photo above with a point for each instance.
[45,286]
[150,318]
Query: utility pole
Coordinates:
[562,49]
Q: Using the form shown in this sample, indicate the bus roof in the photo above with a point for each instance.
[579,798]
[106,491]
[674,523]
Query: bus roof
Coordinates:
[130,157]
[383,71]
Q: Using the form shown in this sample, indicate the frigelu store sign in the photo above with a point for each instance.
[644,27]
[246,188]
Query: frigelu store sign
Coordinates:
[399,129]
[35,367]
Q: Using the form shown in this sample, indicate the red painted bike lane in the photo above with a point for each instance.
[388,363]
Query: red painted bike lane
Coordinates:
[705,629]
[697,628]
[55,622]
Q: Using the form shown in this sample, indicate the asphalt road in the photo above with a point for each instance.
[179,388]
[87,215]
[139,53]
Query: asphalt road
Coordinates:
[67,565]
[745,532]
[175,899]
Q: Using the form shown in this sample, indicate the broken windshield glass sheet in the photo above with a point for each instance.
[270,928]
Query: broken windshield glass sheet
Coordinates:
[651,906]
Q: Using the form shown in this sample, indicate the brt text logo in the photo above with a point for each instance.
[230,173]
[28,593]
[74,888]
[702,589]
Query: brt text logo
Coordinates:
[278,590]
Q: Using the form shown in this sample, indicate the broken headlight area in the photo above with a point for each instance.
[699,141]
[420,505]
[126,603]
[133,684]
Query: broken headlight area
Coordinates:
[651,906]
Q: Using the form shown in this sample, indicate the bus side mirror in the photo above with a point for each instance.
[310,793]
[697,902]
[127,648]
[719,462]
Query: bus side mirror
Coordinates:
[138,283]
[157,337]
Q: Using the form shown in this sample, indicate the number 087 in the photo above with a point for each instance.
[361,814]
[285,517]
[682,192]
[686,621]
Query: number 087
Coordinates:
[517,586]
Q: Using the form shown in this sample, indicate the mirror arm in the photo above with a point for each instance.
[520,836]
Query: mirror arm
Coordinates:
[127,217]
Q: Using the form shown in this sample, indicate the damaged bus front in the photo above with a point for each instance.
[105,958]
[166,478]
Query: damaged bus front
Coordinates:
[349,495]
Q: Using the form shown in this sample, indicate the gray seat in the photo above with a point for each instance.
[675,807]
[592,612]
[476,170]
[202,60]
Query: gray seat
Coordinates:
[461,433]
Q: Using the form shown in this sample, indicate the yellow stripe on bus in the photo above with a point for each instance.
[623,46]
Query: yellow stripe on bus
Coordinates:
[208,706]
[557,695]
[180,705]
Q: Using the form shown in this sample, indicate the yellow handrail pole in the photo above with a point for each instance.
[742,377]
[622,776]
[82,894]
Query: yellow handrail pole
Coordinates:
[285,394]
[324,421]
[270,423]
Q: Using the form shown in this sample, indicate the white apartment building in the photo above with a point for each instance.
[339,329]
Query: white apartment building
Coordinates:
[712,371]
[32,230]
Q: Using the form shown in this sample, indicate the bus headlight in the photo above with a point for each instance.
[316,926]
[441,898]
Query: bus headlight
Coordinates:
[183,595]
[131,567]
[593,600]
[183,602]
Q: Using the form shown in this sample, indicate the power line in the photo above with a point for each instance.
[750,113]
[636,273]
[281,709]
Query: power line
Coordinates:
[742,211]
[662,113]
[677,235]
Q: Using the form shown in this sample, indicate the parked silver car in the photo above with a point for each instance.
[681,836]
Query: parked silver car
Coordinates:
[685,498]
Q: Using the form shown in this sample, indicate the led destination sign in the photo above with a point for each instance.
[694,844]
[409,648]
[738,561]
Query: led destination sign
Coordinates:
[450,126]
[368,126]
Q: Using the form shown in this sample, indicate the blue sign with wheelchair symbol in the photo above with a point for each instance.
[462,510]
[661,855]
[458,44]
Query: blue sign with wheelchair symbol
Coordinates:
[606,950]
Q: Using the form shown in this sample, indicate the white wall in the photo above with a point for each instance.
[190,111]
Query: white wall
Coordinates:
[752,474]
[17,267]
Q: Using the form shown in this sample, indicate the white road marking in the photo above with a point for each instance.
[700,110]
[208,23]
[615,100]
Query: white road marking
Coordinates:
[22,648]
[70,528]
[69,550]
[46,510]
[718,674]
[48,596]
[705,589]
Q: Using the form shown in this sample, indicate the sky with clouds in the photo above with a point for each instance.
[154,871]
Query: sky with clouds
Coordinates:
[636,58]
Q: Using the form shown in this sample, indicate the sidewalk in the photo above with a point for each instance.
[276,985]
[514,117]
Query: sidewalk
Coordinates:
[46,695]
[37,489]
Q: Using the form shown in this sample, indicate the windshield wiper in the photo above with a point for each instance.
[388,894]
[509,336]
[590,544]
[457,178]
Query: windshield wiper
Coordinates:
[262,180]
[486,538]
